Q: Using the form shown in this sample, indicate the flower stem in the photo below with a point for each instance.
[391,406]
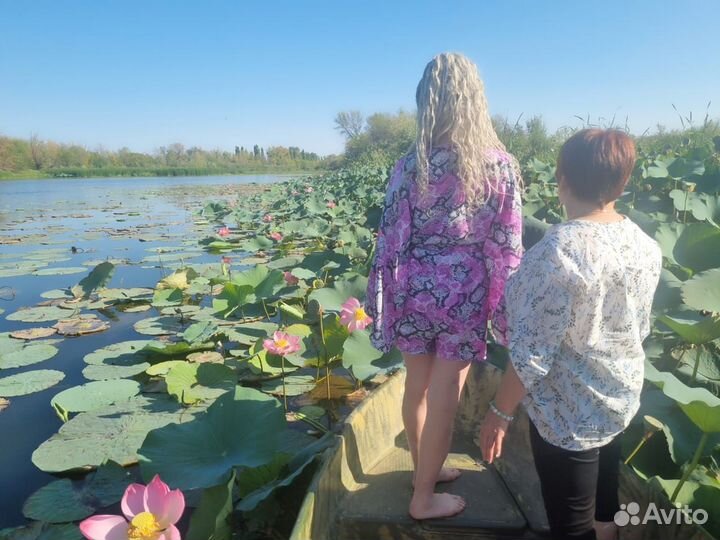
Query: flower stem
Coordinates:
[327,380]
[646,437]
[690,468]
[282,368]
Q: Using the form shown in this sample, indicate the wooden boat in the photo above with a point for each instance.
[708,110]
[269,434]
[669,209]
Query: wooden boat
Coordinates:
[362,488]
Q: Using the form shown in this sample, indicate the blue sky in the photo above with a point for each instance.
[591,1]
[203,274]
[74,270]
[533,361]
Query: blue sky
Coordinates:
[219,73]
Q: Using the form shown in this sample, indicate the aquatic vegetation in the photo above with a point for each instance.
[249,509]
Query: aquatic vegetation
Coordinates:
[231,360]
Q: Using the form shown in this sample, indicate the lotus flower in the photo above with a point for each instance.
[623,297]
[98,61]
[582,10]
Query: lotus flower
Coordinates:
[309,189]
[276,236]
[353,315]
[290,279]
[282,344]
[331,204]
[267,218]
[295,193]
[151,510]
[224,231]
[227,260]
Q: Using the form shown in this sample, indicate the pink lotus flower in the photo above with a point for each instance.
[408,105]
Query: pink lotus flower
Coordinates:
[290,279]
[223,231]
[151,510]
[282,344]
[267,218]
[309,189]
[227,260]
[276,236]
[353,315]
[331,204]
[295,193]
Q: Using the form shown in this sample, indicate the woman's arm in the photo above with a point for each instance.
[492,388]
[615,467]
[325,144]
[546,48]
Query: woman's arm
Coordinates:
[509,395]
[503,247]
[539,305]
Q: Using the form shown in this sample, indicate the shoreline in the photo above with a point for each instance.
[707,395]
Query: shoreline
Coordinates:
[291,174]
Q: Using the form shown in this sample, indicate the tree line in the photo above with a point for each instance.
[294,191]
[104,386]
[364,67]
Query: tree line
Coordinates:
[36,157]
[381,138]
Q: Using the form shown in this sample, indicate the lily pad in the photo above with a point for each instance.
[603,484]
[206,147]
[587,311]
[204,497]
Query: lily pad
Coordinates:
[108,372]
[41,314]
[206,357]
[124,353]
[134,293]
[112,433]
[57,502]
[701,406]
[162,368]
[702,292]
[29,354]
[241,429]
[60,271]
[94,395]
[42,531]
[363,359]
[295,385]
[96,279]
[190,383]
[167,297]
[29,382]
[34,333]
[80,326]
[332,298]
[159,326]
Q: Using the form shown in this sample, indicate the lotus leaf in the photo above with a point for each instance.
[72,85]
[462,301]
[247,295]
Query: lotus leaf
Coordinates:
[94,395]
[702,291]
[241,429]
[702,407]
[112,433]
[364,360]
[29,382]
[27,355]
[96,279]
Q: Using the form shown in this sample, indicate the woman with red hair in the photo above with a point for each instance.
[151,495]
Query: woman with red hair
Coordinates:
[578,310]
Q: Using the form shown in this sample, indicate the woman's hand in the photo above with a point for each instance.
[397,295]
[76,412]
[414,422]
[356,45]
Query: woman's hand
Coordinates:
[492,434]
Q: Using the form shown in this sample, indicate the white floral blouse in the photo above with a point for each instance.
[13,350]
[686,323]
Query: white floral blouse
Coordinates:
[578,311]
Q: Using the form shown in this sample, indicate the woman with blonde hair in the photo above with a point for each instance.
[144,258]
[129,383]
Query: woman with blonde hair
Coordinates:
[448,240]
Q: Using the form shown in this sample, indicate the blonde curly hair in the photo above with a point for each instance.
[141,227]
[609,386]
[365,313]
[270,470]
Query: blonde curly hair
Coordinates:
[452,109]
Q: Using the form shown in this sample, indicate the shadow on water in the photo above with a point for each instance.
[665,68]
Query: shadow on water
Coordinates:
[104,218]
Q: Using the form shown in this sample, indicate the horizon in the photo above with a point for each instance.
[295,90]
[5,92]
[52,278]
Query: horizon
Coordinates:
[217,76]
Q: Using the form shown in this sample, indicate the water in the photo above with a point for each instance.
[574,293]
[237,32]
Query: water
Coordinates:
[103,218]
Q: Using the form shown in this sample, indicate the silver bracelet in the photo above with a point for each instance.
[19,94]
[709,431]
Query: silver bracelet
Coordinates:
[499,413]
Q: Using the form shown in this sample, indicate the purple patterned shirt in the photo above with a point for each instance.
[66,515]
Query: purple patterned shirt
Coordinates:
[440,269]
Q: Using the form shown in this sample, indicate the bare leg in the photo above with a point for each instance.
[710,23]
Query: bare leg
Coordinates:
[414,407]
[446,382]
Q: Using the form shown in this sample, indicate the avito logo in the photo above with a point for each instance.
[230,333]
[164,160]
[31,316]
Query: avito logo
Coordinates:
[629,514]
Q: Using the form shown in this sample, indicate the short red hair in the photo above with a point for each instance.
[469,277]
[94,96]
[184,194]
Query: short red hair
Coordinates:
[596,164]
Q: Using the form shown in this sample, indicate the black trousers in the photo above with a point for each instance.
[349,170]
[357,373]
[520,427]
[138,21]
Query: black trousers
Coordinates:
[577,486]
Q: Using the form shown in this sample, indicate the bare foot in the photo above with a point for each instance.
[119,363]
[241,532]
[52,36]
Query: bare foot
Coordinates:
[446,475]
[439,505]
